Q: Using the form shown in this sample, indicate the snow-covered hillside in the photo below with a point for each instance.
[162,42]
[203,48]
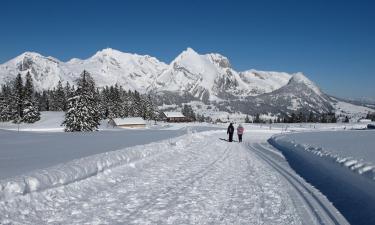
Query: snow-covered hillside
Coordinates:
[354,112]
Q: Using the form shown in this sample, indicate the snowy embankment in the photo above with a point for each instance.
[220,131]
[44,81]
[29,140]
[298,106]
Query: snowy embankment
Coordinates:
[82,168]
[49,122]
[340,164]
[354,150]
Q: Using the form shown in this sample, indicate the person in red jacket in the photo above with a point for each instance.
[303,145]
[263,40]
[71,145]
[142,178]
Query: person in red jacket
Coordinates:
[240,131]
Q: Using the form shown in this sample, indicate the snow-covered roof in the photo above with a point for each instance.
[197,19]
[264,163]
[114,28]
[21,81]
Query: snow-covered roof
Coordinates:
[129,120]
[173,114]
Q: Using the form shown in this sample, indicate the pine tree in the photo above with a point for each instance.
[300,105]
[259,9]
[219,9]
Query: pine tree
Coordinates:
[323,118]
[68,91]
[7,112]
[188,112]
[311,118]
[82,113]
[257,118]
[60,98]
[300,118]
[31,113]
[18,97]
[30,109]
[247,119]
[293,118]
[44,101]
[131,103]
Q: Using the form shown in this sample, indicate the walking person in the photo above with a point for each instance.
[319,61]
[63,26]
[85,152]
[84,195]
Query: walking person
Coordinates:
[230,132]
[240,131]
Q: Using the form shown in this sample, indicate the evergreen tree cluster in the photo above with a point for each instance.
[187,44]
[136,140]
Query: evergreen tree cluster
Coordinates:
[370,116]
[299,117]
[84,104]
[117,102]
[88,105]
[188,112]
[310,118]
[18,101]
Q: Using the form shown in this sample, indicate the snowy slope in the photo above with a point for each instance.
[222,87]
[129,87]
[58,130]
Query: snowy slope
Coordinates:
[354,112]
[299,94]
[49,122]
[264,81]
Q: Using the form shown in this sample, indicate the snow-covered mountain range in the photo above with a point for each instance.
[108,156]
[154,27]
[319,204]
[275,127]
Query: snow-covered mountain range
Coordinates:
[208,78]
[200,75]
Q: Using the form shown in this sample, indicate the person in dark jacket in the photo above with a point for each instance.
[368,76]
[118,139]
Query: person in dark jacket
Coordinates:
[230,131]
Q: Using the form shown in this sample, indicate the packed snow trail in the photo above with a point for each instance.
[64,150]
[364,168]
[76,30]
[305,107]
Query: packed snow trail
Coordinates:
[193,179]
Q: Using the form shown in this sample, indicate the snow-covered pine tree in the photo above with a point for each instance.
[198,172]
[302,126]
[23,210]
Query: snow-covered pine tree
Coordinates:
[68,91]
[7,112]
[59,98]
[137,104]
[188,112]
[44,101]
[125,101]
[132,111]
[30,109]
[247,119]
[31,113]
[116,104]
[82,113]
[151,109]
[257,119]
[104,103]
[18,96]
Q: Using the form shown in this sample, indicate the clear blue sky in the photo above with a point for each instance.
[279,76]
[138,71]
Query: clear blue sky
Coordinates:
[332,42]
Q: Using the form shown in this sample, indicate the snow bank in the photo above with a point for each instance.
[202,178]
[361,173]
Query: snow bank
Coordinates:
[83,168]
[348,151]
[338,167]
[49,122]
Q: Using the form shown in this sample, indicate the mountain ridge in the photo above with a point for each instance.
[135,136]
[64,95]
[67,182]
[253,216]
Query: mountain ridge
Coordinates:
[209,78]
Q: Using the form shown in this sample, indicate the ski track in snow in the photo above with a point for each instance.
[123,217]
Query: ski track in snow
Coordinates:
[197,179]
[316,203]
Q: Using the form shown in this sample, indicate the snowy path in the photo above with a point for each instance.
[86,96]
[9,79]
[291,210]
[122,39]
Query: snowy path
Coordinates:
[197,179]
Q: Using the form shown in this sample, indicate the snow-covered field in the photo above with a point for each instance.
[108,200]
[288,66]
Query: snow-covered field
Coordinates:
[182,173]
[192,179]
[341,164]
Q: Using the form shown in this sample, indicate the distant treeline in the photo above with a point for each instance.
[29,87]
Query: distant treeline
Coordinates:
[299,117]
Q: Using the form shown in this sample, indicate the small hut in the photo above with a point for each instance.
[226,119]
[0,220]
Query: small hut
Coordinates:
[174,117]
[128,122]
